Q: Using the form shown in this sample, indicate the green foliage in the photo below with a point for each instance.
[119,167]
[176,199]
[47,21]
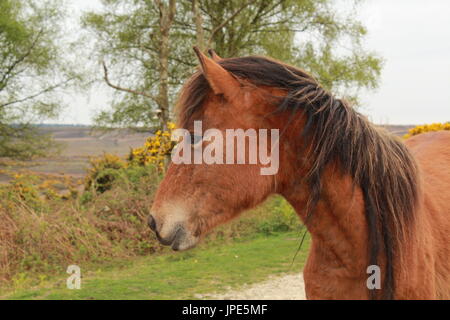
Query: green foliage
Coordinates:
[313,35]
[282,217]
[43,236]
[133,174]
[32,71]
[25,141]
[345,75]
[34,190]
[21,190]
[126,37]
[103,172]
[86,197]
[109,170]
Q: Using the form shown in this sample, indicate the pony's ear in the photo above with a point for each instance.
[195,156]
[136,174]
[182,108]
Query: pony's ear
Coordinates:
[219,79]
[214,55]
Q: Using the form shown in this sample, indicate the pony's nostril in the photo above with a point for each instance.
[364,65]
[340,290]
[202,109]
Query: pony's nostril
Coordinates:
[152,223]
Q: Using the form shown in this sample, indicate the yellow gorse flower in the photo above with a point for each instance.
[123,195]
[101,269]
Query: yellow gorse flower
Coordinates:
[155,150]
[427,128]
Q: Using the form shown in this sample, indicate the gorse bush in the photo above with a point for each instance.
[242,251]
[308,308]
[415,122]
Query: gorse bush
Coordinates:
[282,217]
[35,189]
[156,149]
[108,168]
[427,128]
[103,172]
[23,188]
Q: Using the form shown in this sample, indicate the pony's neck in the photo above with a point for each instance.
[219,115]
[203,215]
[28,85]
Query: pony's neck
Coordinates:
[337,263]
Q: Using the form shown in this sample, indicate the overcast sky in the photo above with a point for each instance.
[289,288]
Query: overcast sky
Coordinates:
[413,37]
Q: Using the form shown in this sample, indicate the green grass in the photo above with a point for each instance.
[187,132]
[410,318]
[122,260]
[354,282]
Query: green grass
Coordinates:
[211,268]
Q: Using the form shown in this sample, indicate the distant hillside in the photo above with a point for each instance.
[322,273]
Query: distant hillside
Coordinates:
[398,130]
[82,131]
[80,143]
[73,131]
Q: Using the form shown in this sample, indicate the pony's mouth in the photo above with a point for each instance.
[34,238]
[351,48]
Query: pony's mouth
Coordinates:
[179,241]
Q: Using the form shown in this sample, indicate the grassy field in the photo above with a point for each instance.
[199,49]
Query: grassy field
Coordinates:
[172,275]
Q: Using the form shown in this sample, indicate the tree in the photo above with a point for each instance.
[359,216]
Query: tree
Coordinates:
[311,34]
[133,40]
[31,73]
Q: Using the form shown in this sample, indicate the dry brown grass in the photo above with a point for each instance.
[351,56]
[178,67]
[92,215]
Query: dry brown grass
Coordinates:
[41,238]
[46,238]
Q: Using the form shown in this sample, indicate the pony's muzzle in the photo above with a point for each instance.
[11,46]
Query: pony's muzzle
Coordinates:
[178,238]
[166,241]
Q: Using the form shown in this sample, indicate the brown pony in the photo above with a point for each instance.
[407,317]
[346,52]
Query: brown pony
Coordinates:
[366,197]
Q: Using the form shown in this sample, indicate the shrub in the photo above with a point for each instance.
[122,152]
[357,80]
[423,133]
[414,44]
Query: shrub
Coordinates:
[427,128]
[21,189]
[103,172]
[107,169]
[156,149]
[34,189]
[46,239]
[282,217]
[273,216]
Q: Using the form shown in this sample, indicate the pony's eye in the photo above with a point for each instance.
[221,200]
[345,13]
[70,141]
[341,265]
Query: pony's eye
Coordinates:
[195,139]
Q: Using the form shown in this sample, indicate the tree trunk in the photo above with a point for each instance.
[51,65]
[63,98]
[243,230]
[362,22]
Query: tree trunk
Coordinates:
[167,14]
[198,21]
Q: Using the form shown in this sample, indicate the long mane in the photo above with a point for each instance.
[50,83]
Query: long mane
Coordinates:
[378,162]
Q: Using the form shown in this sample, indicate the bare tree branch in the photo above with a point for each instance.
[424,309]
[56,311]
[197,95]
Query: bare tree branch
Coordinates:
[10,69]
[108,82]
[35,95]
